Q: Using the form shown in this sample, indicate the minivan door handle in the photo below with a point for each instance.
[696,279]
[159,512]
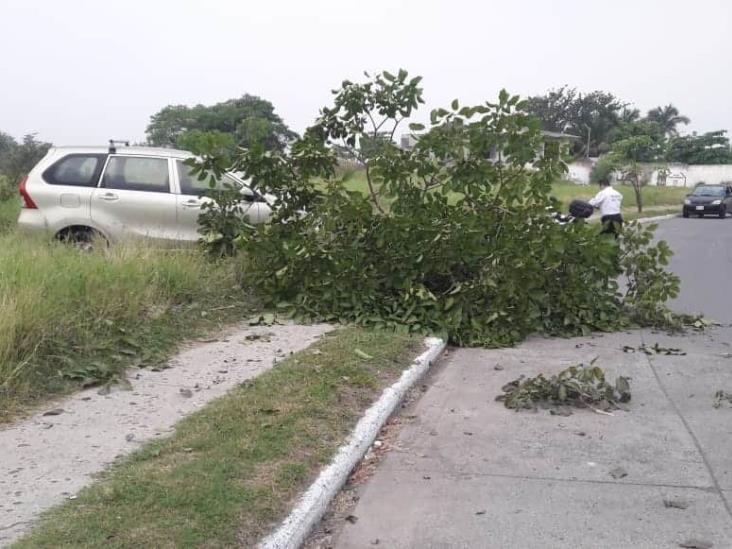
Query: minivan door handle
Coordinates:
[109,197]
[191,204]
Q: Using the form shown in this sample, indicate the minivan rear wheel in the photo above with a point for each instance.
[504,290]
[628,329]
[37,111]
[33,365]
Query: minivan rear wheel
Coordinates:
[82,238]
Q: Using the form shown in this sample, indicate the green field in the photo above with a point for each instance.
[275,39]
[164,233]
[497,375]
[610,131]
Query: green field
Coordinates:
[565,192]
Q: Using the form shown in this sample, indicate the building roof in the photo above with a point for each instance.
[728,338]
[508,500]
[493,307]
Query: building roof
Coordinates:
[558,135]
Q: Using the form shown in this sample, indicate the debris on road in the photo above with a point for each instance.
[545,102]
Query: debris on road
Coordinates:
[54,412]
[353,519]
[656,348]
[264,337]
[720,397]
[618,473]
[675,503]
[580,386]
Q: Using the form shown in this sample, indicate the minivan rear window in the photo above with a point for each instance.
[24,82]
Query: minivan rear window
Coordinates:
[77,170]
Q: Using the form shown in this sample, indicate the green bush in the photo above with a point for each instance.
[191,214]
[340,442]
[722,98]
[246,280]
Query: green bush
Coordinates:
[487,268]
[7,191]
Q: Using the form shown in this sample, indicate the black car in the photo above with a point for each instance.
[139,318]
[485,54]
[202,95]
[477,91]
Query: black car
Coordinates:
[709,199]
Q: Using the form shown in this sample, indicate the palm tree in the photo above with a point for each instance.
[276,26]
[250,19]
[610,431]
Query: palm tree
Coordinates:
[668,118]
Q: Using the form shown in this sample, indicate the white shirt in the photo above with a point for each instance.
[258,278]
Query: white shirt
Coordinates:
[608,200]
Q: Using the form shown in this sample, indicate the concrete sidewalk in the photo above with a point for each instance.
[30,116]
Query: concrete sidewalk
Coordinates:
[467,472]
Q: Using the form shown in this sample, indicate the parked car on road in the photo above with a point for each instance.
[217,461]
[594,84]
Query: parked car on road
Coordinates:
[79,193]
[709,199]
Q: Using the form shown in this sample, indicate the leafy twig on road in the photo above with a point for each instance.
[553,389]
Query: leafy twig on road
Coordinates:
[580,386]
[720,397]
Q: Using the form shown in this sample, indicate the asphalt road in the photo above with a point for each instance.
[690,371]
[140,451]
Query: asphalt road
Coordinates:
[703,260]
[464,472]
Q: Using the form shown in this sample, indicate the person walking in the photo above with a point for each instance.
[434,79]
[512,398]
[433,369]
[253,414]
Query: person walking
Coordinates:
[610,203]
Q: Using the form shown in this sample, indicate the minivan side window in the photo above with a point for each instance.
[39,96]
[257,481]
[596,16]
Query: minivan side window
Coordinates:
[78,170]
[189,183]
[137,173]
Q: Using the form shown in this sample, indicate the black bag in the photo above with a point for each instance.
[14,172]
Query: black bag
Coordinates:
[580,208]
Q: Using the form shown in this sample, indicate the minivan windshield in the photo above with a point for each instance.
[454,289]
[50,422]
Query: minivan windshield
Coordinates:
[708,190]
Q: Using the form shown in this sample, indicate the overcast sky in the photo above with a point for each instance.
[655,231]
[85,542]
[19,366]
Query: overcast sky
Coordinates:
[81,72]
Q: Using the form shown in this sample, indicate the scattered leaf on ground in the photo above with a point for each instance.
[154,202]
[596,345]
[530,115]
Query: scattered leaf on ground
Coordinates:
[353,519]
[720,397]
[361,354]
[675,503]
[54,412]
[618,473]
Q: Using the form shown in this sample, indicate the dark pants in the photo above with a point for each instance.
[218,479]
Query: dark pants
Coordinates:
[612,224]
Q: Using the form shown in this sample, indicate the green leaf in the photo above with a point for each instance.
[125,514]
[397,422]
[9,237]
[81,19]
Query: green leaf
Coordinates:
[361,354]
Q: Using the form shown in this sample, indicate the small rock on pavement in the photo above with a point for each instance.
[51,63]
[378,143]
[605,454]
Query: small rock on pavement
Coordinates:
[498,367]
[186,393]
[696,544]
[54,412]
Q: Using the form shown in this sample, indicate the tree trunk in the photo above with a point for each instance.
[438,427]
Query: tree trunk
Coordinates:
[638,195]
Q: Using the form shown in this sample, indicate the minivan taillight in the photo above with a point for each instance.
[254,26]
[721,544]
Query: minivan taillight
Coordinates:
[27,200]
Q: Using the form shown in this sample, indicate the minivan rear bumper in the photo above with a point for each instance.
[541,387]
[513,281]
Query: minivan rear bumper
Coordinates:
[32,221]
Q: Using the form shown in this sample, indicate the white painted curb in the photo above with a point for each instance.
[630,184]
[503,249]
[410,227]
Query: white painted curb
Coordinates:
[657,218]
[314,503]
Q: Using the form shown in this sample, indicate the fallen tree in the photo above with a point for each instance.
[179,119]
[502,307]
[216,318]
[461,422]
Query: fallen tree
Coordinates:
[452,236]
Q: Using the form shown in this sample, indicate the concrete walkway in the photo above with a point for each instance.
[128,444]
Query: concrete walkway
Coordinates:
[467,472]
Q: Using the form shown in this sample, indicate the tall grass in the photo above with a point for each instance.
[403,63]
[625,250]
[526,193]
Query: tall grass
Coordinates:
[9,210]
[70,318]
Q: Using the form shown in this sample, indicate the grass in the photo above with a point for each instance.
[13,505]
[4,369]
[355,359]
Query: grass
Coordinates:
[9,210]
[70,319]
[230,472]
[566,191]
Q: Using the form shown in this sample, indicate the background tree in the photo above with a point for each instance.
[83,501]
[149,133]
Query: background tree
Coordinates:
[668,118]
[250,120]
[708,148]
[627,158]
[592,116]
[21,158]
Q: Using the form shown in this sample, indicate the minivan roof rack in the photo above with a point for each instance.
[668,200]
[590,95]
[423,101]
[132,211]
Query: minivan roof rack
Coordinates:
[113,145]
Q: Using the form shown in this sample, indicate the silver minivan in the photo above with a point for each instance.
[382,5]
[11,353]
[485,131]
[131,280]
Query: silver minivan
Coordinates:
[78,193]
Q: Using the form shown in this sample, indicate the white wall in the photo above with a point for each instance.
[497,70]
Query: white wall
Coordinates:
[679,175]
[683,175]
[579,170]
